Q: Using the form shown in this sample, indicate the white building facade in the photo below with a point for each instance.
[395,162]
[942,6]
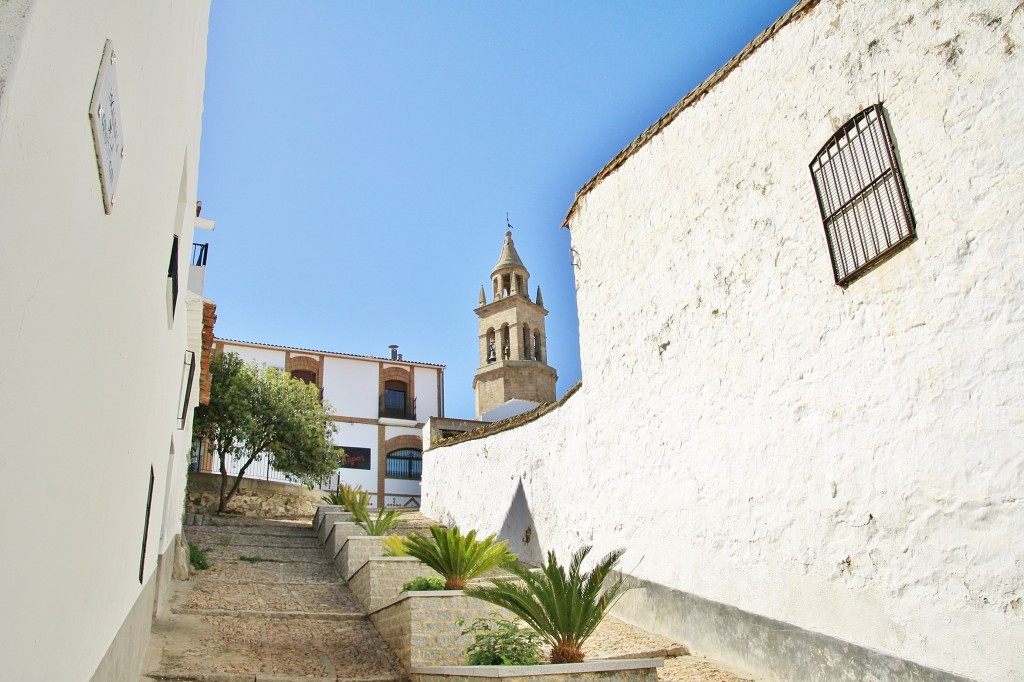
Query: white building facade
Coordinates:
[380,406]
[100,121]
[816,481]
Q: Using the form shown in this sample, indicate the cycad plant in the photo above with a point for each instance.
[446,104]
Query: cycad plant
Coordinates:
[353,498]
[563,608]
[394,545]
[457,557]
[335,498]
[385,521]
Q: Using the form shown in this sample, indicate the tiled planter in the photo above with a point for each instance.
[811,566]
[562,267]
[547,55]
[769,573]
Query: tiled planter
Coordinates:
[422,627]
[356,550]
[633,670]
[379,581]
[337,535]
[328,520]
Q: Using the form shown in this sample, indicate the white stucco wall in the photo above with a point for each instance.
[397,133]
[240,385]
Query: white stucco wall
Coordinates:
[352,387]
[89,384]
[848,461]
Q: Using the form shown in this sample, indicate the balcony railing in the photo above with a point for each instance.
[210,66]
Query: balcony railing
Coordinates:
[199,252]
[397,407]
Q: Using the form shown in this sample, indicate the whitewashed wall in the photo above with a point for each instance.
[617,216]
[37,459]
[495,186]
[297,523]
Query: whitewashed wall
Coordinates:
[89,383]
[847,461]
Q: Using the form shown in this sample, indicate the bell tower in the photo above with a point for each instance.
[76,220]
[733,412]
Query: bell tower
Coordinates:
[513,344]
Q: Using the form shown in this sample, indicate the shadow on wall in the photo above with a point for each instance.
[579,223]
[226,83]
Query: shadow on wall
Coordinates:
[518,529]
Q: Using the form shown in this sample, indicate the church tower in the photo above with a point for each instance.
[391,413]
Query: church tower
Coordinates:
[513,345]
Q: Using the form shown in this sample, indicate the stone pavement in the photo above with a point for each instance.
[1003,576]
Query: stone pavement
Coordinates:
[273,608]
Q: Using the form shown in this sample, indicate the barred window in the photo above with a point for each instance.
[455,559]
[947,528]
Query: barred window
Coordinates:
[862,196]
[405,463]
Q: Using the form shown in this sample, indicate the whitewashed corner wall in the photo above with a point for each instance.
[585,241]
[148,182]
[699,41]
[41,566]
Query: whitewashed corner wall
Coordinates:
[847,461]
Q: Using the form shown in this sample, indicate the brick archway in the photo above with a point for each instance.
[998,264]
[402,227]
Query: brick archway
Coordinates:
[403,442]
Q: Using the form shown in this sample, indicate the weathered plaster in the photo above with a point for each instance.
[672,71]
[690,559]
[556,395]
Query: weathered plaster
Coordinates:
[845,461]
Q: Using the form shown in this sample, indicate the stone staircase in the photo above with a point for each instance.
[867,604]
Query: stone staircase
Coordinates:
[271,608]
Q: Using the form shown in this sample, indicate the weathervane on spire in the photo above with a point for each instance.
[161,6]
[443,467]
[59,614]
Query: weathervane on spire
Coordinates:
[507,223]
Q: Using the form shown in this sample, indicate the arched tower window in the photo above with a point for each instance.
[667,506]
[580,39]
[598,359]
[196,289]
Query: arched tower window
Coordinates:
[527,355]
[537,353]
[506,350]
[492,353]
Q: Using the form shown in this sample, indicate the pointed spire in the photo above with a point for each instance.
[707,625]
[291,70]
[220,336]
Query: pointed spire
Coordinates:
[540,299]
[509,257]
[483,296]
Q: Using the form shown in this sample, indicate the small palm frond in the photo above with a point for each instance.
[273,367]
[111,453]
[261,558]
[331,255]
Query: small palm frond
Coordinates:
[335,498]
[562,607]
[459,558]
[353,498]
[385,521]
[394,545]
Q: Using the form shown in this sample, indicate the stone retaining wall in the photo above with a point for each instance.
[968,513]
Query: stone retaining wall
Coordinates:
[257,499]
[379,581]
[337,534]
[422,627]
[356,551]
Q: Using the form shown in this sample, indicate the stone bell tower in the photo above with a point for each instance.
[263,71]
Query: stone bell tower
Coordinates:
[513,344]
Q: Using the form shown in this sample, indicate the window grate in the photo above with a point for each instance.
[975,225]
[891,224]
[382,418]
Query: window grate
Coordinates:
[862,196]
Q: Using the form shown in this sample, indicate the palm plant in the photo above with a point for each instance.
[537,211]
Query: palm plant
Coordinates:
[457,557]
[385,521]
[353,498]
[395,545]
[563,608]
[335,498]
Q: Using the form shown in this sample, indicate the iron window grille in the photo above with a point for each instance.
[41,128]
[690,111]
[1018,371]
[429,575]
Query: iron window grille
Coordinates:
[406,463]
[188,373]
[862,196]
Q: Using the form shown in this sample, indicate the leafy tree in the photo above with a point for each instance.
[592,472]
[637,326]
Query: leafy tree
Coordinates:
[260,413]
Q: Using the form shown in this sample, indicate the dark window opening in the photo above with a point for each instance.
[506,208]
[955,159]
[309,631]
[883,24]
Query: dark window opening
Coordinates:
[172,274]
[396,402]
[188,373]
[862,196]
[145,530]
[406,463]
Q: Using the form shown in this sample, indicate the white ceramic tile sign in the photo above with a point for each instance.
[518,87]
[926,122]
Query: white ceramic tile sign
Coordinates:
[107,130]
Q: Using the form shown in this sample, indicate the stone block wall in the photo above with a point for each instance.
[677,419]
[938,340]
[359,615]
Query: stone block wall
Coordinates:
[422,628]
[337,534]
[578,673]
[379,581]
[355,552]
[254,498]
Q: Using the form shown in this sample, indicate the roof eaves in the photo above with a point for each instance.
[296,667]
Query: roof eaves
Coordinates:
[329,352]
[696,94]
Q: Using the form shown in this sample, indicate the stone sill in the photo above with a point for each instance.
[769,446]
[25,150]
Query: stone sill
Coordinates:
[425,593]
[501,671]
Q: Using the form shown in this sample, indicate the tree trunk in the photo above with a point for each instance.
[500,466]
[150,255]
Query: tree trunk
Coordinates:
[223,481]
[566,653]
[234,487]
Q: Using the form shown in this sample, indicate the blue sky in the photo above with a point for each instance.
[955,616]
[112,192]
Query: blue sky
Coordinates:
[360,157]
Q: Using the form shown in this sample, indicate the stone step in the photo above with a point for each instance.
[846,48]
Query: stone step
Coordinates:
[193,646]
[232,569]
[261,677]
[263,553]
[276,597]
[210,537]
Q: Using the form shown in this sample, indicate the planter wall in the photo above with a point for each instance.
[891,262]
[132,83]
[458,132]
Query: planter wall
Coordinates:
[355,552]
[318,517]
[636,670]
[422,627]
[379,581]
[329,519]
[337,534]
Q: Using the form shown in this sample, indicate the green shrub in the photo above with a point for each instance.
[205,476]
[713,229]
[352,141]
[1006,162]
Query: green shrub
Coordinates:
[459,558]
[422,584]
[385,521]
[197,557]
[500,641]
[563,608]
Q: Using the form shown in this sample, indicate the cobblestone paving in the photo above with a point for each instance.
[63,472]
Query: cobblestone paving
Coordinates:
[288,618]
[286,615]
